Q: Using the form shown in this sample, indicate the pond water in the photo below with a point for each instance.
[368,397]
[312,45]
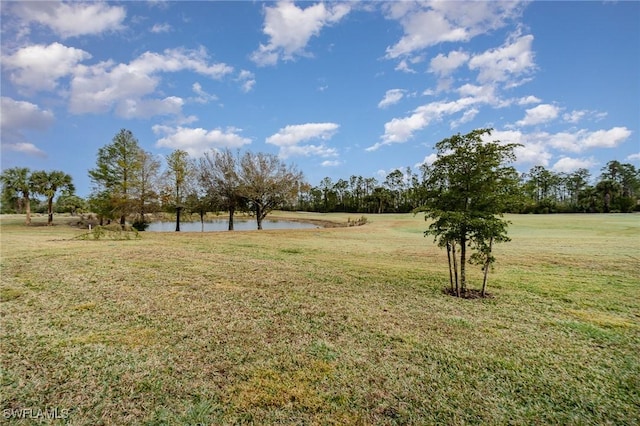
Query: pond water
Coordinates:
[223,225]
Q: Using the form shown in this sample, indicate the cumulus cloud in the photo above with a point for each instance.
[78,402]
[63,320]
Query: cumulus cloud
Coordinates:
[428,160]
[104,86]
[540,114]
[568,164]
[399,130]
[606,138]
[146,108]
[25,148]
[512,60]
[426,24]
[576,116]
[527,100]
[582,140]
[288,139]
[446,64]
[195,141]
[534,148]
[39,67]
[538,148]
[72,19]
[391,97]
[290,28]
[203,97]
[161,28]
[633,157]
[18,117]
[247,80]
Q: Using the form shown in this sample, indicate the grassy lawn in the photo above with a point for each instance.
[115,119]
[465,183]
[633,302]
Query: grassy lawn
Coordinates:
[322,326]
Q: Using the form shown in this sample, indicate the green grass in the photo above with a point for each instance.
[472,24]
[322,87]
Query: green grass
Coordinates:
[322,326]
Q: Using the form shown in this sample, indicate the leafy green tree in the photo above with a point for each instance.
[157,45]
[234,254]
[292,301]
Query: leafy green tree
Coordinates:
[15,186]
[145,188]
[101,204]
[219,176]
[267,183]
[470,186]
[70,203]
[180,172]
[48,184]
[116,172]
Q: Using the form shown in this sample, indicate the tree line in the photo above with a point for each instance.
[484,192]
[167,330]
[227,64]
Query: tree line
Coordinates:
[130,183]
[617,189]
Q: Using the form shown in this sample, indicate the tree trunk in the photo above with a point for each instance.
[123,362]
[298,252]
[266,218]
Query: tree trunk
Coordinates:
[450,266]
[455,268]
[50,211]
[28,210]
[202,213]
[463,261]
[232,211]
[178,209]
[487,263]
[123,221]
[259,217]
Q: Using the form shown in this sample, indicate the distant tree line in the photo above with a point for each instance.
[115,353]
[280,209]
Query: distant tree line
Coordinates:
[617,189]
[130,183]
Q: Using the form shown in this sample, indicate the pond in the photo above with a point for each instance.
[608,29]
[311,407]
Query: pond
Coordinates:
[223,225]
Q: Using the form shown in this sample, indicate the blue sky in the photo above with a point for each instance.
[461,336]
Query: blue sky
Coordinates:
[339,89]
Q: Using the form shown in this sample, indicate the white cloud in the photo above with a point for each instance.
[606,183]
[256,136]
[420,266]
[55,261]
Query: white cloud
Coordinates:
[445,65]
[540,114]
[161,28]
[330,163]
[403,66]
[633,157]
[468,115]
[293,134]
[72,19]
[391,97]
[25,148]
[399,130]
[529,100]
[505,63]
[429,23]
[534,149]
[39,67]
[428,160]
[195,141]
[288,139]
[20,114]
[290,28]
[579,115]
[247,80]
[607,138]
[582,140]
[203,96]
[568,165]
[101,87]
[146,108]
[173,60]
[18,117]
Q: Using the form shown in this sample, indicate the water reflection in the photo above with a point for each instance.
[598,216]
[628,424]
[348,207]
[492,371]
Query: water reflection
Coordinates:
[223,225]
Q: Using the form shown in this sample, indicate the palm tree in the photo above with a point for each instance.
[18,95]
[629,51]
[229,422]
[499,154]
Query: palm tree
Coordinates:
[48,184]
[16,183]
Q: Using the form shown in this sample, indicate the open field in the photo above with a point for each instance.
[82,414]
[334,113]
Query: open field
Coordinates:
[322,326]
